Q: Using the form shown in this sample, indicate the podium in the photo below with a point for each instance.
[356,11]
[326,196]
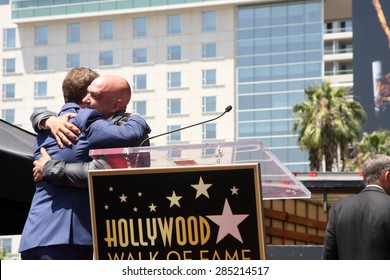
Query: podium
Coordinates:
[181,202]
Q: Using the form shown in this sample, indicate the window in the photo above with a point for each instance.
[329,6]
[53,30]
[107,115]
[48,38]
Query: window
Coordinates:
[40,89]
[174,136]
[140,55]
[209,77]
[106,30]
[72,60]
[174,24]
[174,79]
[8,91]
[174,53]
[174,106]
[346,26]
[41,35]
[140,107]
[209,21]
[40,63]
[6,244]
[209,50]
[73,35]
[209,104]
[140,27]
[209,152]
[9,38]
[139,82]
[209,131]
[8,115]
[106,58]
[9,65]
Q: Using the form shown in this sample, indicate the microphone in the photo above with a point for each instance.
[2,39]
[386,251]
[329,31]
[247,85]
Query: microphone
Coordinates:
[227,109]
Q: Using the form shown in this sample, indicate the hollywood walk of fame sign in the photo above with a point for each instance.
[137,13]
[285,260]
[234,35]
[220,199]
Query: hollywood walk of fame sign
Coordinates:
[178,213]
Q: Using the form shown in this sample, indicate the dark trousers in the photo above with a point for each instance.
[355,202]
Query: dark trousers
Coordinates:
[59,252]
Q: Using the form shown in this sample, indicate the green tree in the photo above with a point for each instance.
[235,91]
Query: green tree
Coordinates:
[377,142]
[3,254]
[329,122]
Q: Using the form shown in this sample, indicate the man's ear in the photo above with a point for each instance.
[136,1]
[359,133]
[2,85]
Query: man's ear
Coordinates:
[387,175]
[117,105]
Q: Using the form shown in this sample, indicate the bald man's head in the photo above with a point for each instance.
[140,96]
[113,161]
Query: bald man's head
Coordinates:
[108,94]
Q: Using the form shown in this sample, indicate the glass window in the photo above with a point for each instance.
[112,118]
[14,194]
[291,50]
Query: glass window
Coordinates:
[73,35]
[209,21]
[174,79]
[8,91]
[8,115]
[6,245]
[209,104]
[174,106]
[175,136]
[209,50]
[9,65]
[209,131]
[174,24]
[140,55]
[139,82]
[209,77]
[40,89]
[40,63]
[106,30]
[174,53]
[140,27]
[140,107]
[209,152]
[72,60]
[9,38]
[41,35]
[106,58]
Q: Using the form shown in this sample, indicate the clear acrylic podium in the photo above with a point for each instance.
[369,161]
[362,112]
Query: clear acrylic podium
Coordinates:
[277,181]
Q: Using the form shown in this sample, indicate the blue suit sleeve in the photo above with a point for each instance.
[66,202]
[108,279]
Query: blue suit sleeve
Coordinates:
[102,134]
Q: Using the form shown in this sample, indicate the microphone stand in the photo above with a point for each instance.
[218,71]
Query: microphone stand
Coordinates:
[227,109]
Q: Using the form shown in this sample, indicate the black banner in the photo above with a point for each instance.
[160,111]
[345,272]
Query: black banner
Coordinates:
[197,212]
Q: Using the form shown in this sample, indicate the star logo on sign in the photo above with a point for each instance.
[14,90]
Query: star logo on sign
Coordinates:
[123,198]
[228,222]
[152,207]
[174,199]
[201,188]
[234,190]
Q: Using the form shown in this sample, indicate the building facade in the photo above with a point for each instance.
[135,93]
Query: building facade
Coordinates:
[186,60]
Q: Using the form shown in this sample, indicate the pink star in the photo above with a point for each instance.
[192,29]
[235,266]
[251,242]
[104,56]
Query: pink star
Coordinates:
[228,223]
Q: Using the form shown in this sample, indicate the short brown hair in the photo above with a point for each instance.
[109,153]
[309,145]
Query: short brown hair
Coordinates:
[76,82]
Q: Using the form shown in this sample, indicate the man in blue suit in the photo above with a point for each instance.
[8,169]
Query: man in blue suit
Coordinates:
[59,225]
[359,225]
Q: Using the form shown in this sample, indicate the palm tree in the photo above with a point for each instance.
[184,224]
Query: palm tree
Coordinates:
[378,142]
[328,124]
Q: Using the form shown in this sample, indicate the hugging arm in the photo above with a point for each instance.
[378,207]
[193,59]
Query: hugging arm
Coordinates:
[74,174]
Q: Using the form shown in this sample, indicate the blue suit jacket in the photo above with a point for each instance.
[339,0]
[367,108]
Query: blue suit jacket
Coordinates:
[61,214]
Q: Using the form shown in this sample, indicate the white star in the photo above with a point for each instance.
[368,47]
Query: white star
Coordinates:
[201,188]
[111,189]
[140,194]
[174,199]
[123,198]
[152,207]
[106,207]
[234,190]
[228,223]
[135,209]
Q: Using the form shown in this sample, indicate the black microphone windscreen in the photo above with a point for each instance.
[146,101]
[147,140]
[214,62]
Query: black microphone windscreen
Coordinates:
[228,108]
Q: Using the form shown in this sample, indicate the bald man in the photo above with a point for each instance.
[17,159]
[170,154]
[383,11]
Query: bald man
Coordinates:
[59,223]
